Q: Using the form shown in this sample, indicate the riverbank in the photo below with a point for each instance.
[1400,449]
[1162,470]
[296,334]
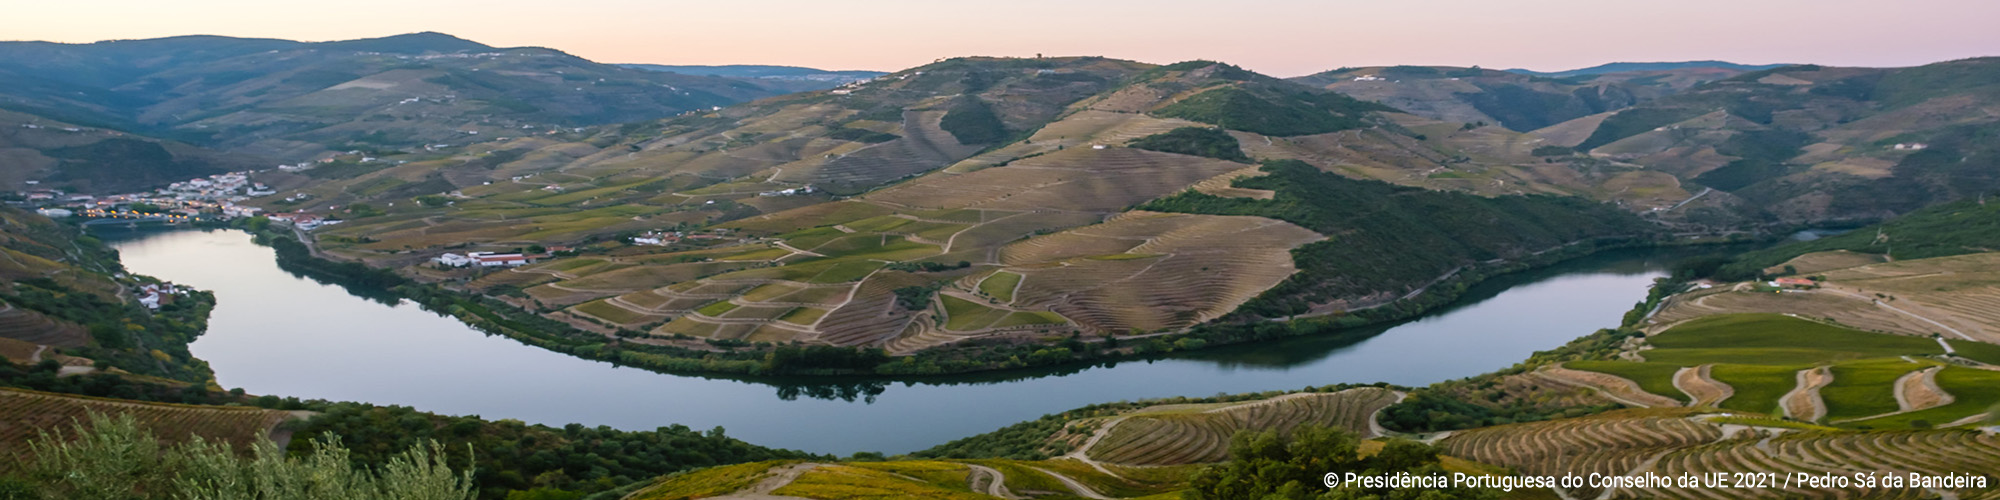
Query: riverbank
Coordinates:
[755,360]
[276,332]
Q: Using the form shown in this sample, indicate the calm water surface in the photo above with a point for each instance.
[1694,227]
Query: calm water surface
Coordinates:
[276,333]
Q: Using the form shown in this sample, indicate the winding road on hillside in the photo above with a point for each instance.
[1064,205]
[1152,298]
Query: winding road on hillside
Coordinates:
[1804,402]
[1702,389]
[995,483]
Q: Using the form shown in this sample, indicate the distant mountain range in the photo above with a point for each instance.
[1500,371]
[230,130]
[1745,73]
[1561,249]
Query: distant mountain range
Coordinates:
[1626,67]
[760,71]
[289,101]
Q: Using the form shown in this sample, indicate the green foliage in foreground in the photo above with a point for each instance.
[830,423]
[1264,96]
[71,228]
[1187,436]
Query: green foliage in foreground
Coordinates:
[112,458]
[1943,230]
[514,456]
[1197,141]
[1395,239]
[1267,465]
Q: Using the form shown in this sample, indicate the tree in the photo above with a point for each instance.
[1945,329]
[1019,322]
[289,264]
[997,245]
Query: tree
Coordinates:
[1273,466]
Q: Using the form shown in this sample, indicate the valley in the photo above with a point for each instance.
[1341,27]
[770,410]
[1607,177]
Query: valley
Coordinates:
[420,262]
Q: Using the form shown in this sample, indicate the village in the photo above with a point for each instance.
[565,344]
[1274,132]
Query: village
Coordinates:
[214,197]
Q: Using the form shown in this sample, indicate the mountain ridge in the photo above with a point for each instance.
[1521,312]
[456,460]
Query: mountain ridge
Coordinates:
[1622,67]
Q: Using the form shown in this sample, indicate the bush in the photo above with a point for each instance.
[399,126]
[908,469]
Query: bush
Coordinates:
[1553,150]
[1197,141]
[112,457]
[1272,466]
[972,122]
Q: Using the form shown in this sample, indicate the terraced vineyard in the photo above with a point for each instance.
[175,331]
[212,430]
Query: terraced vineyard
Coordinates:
[1081,129]
[1614,443]
[32,327]
[24,414]
[960,480]
[1152,271]
[1175,435]
[1088,180]
[1955,296]
[1897,453]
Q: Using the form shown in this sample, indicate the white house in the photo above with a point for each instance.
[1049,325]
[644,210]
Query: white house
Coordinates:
[452,260]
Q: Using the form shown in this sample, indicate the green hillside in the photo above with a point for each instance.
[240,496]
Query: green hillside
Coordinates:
[1942,230]
[1806,143]
[1392,239]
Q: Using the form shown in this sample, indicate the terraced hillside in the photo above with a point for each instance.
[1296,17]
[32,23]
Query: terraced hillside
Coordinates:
[1151,271]
[961,480]
[1516,101]
[1950,296]
[1191,434]
[1613,443]
[796,267]
[943,186]
[26,414]
[34,328]
[1674,442]
[1808,371]
[1808,142]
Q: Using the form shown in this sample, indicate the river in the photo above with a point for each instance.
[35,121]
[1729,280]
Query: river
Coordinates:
[276,333]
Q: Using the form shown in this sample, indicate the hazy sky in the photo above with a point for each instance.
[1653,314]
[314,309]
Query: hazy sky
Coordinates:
[1279,37]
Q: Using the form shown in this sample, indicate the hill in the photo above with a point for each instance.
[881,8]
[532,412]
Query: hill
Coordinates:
[1942,230]
[80,159]
[1520,102]
[1388,242]
[796,73]
[1813,143]
[973,202]
[291,101]
[70,301]
[1624,67]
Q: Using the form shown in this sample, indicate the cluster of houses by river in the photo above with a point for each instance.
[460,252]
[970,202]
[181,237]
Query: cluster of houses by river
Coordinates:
[212,197]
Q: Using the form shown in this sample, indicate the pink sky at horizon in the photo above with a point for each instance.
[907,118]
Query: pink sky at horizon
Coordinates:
[1277,37]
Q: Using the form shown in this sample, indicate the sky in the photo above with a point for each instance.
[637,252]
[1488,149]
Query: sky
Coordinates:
[1278,37]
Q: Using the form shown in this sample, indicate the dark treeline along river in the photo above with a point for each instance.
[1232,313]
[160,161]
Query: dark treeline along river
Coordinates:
[277,333]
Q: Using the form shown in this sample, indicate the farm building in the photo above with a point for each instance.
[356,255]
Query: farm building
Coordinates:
[1796,282]
[485,259]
